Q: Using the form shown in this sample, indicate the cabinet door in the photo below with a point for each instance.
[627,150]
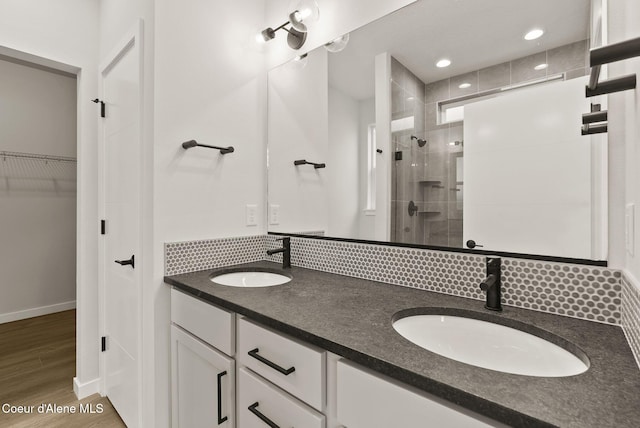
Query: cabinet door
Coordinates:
[202,384]
[365,400]
[262,405]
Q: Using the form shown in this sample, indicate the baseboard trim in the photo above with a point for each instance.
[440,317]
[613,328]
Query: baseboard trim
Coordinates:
[83,390]
[36,312]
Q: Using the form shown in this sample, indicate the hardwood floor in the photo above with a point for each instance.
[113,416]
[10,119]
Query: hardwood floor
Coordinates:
[37,366]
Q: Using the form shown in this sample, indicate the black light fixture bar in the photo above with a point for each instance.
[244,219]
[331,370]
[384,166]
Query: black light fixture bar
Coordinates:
[304,162]
[193,143]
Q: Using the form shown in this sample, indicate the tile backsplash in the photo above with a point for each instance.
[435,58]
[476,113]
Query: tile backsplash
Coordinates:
[631,314]
[191,256]
[579,291]
[586,292]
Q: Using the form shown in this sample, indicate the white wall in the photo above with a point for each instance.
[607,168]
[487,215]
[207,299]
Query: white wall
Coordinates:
[344,163]
[37,198]
[210,85]
[66,31]
[624,137]
[298,128]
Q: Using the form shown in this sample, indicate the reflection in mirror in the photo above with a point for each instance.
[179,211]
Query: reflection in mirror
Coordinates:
[486,149]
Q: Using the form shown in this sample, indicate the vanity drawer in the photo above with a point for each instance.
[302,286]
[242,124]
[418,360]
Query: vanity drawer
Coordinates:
[296,367]
[212,324]
[257,398]
[368,400]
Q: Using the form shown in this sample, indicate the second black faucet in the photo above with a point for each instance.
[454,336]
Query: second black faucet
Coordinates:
[492,284]
[285,250]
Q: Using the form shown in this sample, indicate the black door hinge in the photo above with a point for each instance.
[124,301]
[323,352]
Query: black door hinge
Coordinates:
[103,227]
[103,346]
[102,108]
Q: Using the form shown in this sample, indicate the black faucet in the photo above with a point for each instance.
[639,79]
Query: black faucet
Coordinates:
[492,284]
[285,250]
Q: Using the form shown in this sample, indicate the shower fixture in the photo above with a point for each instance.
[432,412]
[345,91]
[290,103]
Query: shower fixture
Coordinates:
[456,143]
[420,141]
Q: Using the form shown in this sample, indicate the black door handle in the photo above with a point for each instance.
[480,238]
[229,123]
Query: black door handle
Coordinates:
[254,409]
[130,262]
[220,418]
[254,353]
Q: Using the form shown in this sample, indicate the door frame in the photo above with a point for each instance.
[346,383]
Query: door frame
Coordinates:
[133,37]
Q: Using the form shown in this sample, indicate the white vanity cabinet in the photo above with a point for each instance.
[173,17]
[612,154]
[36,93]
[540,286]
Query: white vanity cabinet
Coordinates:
[202,378]
[284,382]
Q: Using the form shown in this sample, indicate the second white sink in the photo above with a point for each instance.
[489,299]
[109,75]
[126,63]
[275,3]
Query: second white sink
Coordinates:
[250,279]
[489,345]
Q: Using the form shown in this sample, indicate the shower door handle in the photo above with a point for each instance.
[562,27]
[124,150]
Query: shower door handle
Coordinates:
[130,262]
[472,244]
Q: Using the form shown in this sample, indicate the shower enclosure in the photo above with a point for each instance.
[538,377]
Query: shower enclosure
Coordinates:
[427,187]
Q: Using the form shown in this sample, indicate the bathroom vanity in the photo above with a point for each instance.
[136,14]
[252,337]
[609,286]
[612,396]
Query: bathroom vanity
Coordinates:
[320,351]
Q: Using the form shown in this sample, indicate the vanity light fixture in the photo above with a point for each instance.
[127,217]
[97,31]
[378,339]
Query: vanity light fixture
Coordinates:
[338,44]
[443,63]
[534,34]
[304,11]
[540,67]
[464,85]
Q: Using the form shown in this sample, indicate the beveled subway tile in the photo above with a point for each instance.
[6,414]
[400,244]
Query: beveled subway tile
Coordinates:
[437,91]
[468,78]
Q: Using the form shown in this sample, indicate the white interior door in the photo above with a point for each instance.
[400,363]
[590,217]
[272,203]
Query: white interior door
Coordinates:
[528,184]
[122,242]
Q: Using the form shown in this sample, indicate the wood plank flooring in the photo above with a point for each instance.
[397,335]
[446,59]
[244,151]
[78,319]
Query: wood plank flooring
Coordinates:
[37,366]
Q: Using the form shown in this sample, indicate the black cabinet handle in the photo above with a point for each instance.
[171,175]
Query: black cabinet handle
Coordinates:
[254,353]
[130,262]
[254,409]
[220,418]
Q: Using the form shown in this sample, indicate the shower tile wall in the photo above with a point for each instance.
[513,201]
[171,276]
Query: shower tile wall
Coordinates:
[427,175]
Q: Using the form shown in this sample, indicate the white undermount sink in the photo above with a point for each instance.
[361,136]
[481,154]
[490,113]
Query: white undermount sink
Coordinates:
[490,345]
[250,279]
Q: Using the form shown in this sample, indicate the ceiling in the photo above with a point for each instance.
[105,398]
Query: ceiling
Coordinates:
[473,34]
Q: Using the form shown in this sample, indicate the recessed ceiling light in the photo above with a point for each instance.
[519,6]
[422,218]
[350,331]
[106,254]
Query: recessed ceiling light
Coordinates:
[443,63]
[464,85]
[533,34]
[541,66]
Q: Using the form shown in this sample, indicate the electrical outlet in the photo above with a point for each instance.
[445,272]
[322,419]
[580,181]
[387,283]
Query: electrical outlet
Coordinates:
[274,214]
[251,212]
[629,227]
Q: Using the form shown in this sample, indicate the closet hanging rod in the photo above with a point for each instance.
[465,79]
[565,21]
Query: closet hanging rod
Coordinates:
[193,143]
[18,155]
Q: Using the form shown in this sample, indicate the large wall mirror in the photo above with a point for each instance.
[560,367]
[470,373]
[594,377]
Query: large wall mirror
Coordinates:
[486,149]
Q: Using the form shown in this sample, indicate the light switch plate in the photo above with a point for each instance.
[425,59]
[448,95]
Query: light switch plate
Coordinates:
[629,227]
[274,214]
[252,216]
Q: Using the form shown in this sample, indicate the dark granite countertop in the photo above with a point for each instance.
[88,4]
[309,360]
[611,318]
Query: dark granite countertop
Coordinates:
[352,317]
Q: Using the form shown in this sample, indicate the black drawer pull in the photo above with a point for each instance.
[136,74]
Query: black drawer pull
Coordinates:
[254,409]
[220,418]
[254,353]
